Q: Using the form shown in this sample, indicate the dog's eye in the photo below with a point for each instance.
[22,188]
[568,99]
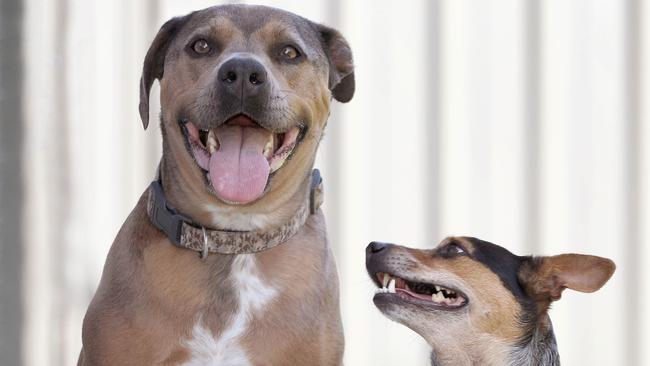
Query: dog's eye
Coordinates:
[452,249]
[455,248]
[201,46]
[289,53]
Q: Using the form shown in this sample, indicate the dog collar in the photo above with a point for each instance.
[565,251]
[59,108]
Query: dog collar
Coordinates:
[183,233]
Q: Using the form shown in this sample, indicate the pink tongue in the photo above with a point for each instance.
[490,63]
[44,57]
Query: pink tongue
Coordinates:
[239,170]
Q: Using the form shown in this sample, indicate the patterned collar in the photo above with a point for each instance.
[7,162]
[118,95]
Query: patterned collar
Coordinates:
[183,233]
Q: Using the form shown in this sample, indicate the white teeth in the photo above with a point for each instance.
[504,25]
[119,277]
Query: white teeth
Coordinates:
[277,163]
[437,288]
[385,279]
[268,148]
[437,297]
[213,145]
[388,284]
[391,286]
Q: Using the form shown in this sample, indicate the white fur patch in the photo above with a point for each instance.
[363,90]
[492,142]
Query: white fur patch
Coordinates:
[254,294]
[227,218]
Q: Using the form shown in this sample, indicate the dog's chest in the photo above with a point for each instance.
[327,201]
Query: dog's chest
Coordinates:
[226,348]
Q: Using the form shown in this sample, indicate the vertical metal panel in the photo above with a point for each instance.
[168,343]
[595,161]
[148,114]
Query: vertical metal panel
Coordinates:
[11,182]
[59,187]
[531,138]
[432,121]
[642,325]
[40,162]
[632,192]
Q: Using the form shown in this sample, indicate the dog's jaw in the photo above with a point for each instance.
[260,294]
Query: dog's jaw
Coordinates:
[239,157]
[187,189]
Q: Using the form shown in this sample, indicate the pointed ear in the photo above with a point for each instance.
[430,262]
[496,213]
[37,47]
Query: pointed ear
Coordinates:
[544,278]
[341,73]
[154,62]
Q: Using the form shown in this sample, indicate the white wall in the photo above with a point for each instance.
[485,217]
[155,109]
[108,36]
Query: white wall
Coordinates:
[520,122]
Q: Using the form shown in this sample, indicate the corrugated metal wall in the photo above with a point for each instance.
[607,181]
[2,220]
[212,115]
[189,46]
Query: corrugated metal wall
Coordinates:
[518,121]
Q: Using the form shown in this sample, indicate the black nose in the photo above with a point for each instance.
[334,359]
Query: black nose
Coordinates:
[242,71]
[376,247]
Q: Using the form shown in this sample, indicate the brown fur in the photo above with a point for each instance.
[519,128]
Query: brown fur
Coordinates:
[152,292]
[545,278]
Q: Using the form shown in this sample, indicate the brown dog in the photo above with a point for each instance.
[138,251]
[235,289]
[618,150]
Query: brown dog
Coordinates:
[245,95]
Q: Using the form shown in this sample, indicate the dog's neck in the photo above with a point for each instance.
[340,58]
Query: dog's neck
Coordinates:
[187,192]
[538,350]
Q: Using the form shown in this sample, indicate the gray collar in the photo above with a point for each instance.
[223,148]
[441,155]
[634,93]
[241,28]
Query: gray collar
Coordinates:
[183,233]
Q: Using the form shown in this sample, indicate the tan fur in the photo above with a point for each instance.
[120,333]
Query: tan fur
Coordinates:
[152,294]
[490,320]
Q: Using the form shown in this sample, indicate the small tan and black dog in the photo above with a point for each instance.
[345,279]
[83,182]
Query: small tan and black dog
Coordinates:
[224,260]
[476,303]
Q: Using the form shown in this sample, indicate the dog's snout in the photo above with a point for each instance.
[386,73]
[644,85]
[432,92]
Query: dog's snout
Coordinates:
[376,247]
[242,72]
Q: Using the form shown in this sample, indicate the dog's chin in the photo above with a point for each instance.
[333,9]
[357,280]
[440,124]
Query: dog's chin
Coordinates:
[239,158]
[405,314]
[417,316]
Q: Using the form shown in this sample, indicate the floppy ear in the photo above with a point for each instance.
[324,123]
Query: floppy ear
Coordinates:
[545,278]
[341,73]
[154,62]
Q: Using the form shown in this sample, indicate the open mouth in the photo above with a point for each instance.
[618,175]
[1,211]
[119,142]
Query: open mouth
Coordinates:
[239,156]
[428,294]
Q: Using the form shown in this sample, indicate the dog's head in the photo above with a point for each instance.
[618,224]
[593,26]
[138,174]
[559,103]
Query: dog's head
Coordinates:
[471,292]
[245,94]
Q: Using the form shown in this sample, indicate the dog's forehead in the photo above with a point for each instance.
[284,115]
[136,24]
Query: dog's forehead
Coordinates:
[497,259]
[250,19]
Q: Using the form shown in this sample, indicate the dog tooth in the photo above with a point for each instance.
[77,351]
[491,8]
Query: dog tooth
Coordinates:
[385,279]
[268,148]
[391,286]
[437,297]
[437,288]
[213,145]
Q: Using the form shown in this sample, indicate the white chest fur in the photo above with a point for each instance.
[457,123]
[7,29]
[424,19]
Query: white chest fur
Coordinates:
[226,350]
